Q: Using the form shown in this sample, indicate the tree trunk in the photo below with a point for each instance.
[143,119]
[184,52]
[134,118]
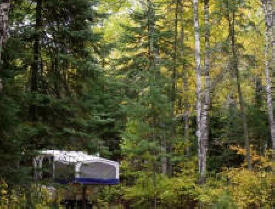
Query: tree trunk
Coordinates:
[151,31]
[173,88]
[4,20]
[206,96]
[185,81]
[273,74]
[258,91]
[36,57]
[198,81]
[273,85]
[163,157]
[268,36]
[235,69]
[153,49]
[84,194]
[153,52]
[174,72]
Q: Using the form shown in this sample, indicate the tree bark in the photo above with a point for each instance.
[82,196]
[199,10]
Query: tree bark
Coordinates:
[273,74]
[198,82]
[4,20]
[153,52]
[163,157]
[36,57]
[184,81]
[268,36]
[151,31]
[153,49]
[258,91]
[173,87]
[174,72]
[84,194]
[206,95]
[273,86]
[236,72]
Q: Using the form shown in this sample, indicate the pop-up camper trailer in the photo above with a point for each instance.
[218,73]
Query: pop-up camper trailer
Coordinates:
[75,167]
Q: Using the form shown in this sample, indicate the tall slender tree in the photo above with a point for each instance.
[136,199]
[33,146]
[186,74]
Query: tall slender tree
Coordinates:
[232,7]
[174,80]
[273,73]
[36,63]
[266,4]
[198,84]
[184,78]
[206,93]
[4,20]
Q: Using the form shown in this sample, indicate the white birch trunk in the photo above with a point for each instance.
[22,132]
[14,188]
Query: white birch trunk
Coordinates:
[268,22]
[206,95]
[4,20]
[273,75]
[273,87]
[198,80]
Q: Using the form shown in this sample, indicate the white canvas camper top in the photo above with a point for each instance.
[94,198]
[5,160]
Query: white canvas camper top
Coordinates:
[76,167]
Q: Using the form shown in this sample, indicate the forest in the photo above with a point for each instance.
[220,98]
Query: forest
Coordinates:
[180,92]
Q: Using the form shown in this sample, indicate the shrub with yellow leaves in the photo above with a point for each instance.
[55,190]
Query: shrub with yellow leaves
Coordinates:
[251,188]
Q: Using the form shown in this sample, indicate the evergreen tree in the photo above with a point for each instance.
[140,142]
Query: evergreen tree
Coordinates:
[117,78]
[55,84]
[147,142]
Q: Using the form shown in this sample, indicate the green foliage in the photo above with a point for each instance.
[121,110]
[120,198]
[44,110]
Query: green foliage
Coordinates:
[225,202]
[104,85]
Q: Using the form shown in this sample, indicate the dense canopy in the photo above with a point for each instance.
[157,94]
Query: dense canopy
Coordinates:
[180,93]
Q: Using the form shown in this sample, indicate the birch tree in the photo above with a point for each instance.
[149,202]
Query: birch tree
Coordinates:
[206,94]
[273,73]
[198,84]
[4,20]
[175,58]
[268,36]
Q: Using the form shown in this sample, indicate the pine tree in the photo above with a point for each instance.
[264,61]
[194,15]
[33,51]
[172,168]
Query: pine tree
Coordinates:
[148,108]
[232,9]
[58,77]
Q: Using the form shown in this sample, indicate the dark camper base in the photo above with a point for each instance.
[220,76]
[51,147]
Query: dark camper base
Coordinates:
[76,204]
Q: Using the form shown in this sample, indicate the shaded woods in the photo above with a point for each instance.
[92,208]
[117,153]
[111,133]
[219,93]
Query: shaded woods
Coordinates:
[181,93]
